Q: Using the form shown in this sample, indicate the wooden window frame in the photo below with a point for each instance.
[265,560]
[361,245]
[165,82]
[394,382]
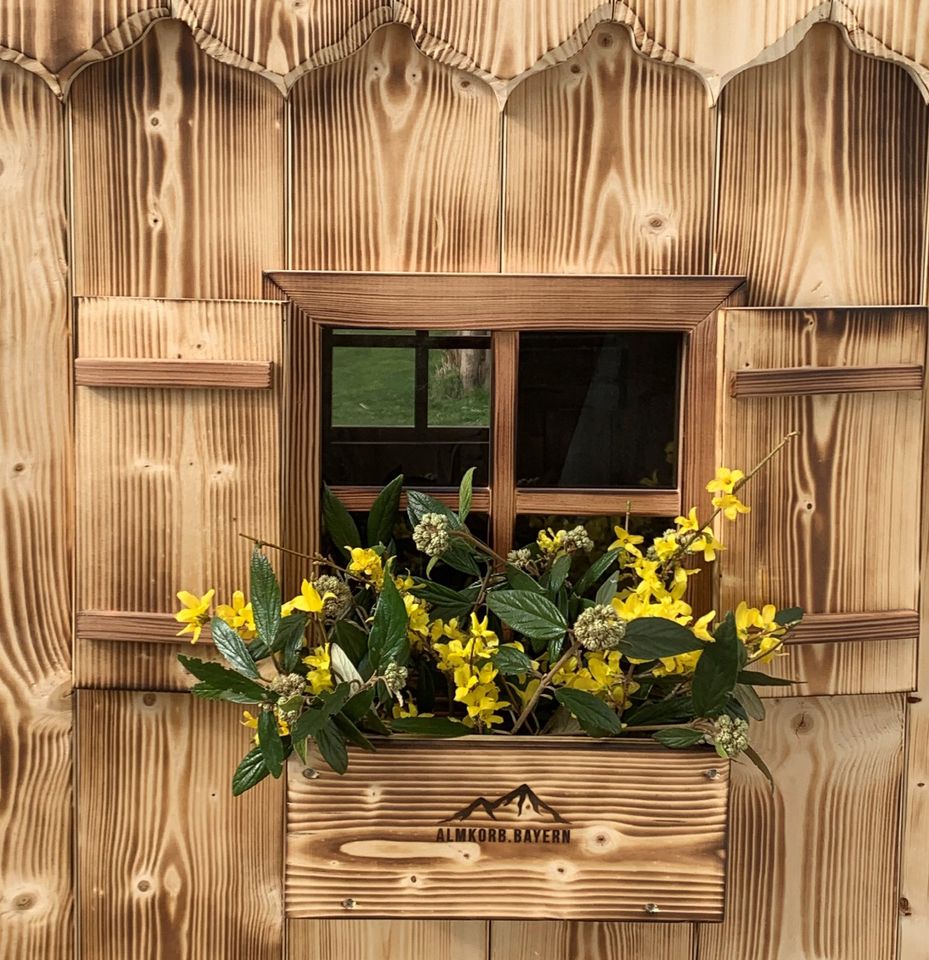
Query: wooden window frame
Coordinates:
[504,305]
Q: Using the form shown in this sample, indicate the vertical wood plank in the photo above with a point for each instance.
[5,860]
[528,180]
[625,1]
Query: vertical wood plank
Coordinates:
[505,401]
[170,864]
[813,864]
[178,174]
[609,165]
[35,527]
[823,178]
[396,163]
[511,940]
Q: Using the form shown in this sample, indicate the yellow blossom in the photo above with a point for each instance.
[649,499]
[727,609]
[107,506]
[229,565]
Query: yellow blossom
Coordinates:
[320,676]
[701,629]
[409,709]
[367,563]
[550,542]
[730,505]
[665,547]
[309,600]
[688,524]
[417,627]
[707,543]
[194,614]
[626,541]
[686,663]
[725,480]
[238,615]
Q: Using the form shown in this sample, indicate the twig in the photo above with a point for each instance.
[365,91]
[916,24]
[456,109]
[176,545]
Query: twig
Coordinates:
[534,699]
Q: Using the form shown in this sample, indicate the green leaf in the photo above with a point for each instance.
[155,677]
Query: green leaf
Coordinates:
[250,771]
[269,742]
[342,666]
[313,719]
[291,636]
[383,513]
[529,614]
[430,727]
[789,616]
[677,738]
[717,670]
[418,504]
[755,758]
[608,589]
[332,747]
[592,714]
[511,662]
[351,638]
[387,642]
[232,647]
[754,678]
[464,494]
[218,683]
[672,710]
[595,571]
[359,705]
[554,650]
[649,638]
[351,733]
[520,580]
[338,523]
[559,573]
[750,701]
[446,602]
[265,598]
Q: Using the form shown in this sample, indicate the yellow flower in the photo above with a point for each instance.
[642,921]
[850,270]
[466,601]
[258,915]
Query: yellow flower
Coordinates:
[194,614]
[730,505]
[626,541]
[417,627]
[701,629]
[309,600]
[707,543]
[283,728]
[550,542]
[665,547]
[239,615]
[725,480]
[320,676]
[684,664]
[482,704]
[368,564]
[409,710]
[688,524]
[479,629]
[249,721]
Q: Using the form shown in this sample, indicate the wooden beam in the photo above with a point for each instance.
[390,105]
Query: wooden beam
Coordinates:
[171,374]
[361,498]
[132,626]
[646,503]
[803,381]
[505,400]
[867,625]
[505,301]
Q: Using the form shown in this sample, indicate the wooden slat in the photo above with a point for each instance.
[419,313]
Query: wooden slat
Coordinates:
[805,381]
[546,940]
[168,479]
[864,626]
[841,221]
[814,864]
[805,543]
[131,626]
[505,302]
[641,502]
[170,864]
[178,174]
[503,461]
[644,826]
[373,939]
[168,374]
[362,498]
[396,164]
[36,505]
[609,165]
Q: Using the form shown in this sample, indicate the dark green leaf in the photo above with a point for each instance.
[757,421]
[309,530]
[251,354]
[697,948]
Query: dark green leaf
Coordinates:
[750,701]
[418,504]
[559,573]
[359,705]
[678,737]
[250,771]
[511,662]
[430,727]
[383,513]
[332,747]
[446,603]
[592,714]
[258,649]
[660,711]
[428,679]
[649,638]
[227,684]
[232,647]
[464,494]
[313,719]
[788,616]
[717,670]
[529,614]
[351,733]
[269,741]
[351,638]
[595,571]
[554,649]
[753,678]
[520,580]
[755,758]
[387,642]
[608,589]
[291,636]
[339,524]
[265,598]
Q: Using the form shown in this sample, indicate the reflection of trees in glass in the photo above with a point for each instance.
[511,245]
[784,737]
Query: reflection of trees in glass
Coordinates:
[459,387]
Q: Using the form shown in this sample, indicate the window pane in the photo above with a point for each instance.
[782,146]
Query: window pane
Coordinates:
[599,529]
[373,386]
[459,388]
[597,410]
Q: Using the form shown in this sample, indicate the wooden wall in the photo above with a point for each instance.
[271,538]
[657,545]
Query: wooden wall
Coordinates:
[139,216]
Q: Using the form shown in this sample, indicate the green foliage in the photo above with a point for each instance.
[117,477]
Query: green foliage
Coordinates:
[218,683]
[232,647]
[594,716]
[250,772]
[339,524]
[266,599]
[464,494]
[677,738]
[383,513]
[387,642]
[653,637]
[511,662]
[529,614]
[430,727]
[717,671]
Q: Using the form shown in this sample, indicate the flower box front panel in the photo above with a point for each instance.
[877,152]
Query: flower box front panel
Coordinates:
[500,827]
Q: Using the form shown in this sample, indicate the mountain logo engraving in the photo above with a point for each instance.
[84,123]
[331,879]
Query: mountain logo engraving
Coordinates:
[521,804]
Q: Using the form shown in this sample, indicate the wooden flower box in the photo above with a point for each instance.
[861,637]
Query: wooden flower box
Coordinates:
[510,827]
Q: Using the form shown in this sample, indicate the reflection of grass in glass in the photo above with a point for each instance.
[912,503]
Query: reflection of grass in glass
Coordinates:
[374,386]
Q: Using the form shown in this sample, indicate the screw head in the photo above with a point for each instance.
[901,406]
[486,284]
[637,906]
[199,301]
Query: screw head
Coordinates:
[310,774]
[652,908]
[712,774]
[348,903]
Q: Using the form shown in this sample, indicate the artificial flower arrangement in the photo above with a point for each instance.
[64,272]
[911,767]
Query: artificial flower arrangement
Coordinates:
[546,640]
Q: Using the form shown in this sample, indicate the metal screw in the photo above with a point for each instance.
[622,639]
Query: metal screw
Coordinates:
[712,774]
[348,903]
[310,774]
[652,908]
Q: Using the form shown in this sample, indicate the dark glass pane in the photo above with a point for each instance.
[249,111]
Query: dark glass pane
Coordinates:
[599,529]
[373,459]
[597,410]
[459,388]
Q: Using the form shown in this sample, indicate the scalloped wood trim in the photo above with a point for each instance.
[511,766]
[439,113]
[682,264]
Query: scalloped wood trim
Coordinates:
[282,63]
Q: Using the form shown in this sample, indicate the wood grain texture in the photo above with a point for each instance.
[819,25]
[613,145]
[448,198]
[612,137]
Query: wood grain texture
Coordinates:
[815,498]
[505,372]
[840,222]
[178,174]
[648,503]
[173,374]
[865,625]
[804,381]
[535,940]
[130,627]
[36,516]
[372,939]
[170,864]
[167,479]
[614,827]
[814,865]
[396,164]
[609,166]
[505,302]
[362,498]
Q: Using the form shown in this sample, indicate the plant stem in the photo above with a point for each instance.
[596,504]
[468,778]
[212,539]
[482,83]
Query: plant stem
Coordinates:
[546,680]
[479,544]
